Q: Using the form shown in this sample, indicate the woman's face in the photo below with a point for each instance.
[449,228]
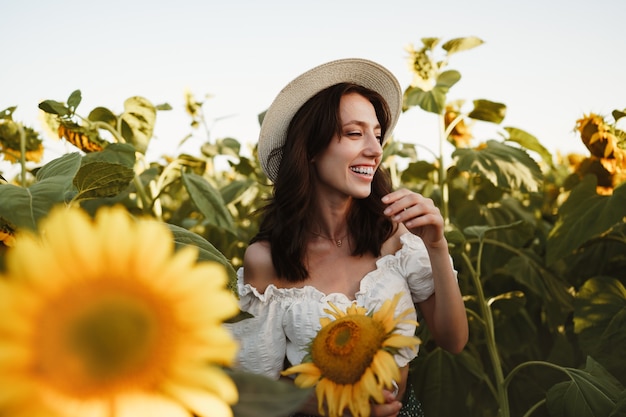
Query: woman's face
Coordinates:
[348,164]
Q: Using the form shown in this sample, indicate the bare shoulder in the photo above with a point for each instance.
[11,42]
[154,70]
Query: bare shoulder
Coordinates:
[394,244]
[258,269]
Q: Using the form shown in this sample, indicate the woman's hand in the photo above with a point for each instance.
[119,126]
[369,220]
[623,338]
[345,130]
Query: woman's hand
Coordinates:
[418,213]
[390,408]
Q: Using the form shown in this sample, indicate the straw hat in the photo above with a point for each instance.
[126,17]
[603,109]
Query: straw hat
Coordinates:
[353,70]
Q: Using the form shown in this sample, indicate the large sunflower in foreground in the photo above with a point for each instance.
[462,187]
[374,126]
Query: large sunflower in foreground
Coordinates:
[350,360]
[102,318]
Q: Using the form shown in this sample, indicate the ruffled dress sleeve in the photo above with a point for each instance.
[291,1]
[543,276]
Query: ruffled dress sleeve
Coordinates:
[414,265]
[262,340]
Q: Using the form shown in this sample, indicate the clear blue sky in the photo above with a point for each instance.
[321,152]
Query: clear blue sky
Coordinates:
[549,61]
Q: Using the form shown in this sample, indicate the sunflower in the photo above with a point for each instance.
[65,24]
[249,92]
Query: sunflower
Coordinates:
[350,360]
[103,318]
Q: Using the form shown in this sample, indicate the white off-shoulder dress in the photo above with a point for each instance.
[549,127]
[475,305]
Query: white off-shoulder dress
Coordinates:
[287,319]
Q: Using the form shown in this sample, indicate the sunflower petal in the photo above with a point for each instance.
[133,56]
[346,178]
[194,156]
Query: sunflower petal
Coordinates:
[400,341]
[305,368]
[202,403]
[147,405]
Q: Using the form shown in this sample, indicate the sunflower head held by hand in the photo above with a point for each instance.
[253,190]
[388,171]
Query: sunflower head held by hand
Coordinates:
[351,359]
[102,317]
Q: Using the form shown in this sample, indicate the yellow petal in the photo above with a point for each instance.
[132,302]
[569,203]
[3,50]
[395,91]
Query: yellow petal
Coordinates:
[368,384]
[385,364]
[202,403]
[147,405]
[345,398]
[320,392]
[305,368]
[360,406]
[400,341]
[210,378]
[306,380]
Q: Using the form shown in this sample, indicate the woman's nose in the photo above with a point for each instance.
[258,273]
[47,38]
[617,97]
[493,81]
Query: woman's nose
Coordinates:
[374,146]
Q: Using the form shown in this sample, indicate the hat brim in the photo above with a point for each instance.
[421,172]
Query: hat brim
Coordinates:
[362,72]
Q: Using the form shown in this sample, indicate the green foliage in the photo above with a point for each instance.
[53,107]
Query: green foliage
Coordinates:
[259,394]
[584,216]
[540,253]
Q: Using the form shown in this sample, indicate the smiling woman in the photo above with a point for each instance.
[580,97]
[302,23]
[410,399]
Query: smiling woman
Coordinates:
[335,233]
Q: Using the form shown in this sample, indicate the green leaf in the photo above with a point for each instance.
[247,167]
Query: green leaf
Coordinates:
[430,43]
[261,396]
[481,231]
[461,44]
[206,251]
[233,190]
[509,302]
[598,301]
[101,180]
[208,200]
[74,100]
[163,107]
[7,113]
[440,379]
[528,270]
[106,173]
[488,111]
[620,410]
[529,142]
[138,122]
[54,107]
[65,166]
[115,153]
[617,114]
[591,392]
[433,101]
[600,321]
[583,216]
[24,207]
[102,114]
[506,167]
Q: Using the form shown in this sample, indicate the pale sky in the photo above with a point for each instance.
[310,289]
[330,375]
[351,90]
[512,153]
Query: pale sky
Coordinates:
[549,61]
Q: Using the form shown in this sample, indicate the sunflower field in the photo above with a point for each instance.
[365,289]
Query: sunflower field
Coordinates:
[539,242]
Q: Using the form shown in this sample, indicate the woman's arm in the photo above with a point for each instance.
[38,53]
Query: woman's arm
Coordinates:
[444,311]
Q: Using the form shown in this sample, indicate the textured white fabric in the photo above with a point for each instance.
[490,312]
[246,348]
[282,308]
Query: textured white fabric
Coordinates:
[287,319]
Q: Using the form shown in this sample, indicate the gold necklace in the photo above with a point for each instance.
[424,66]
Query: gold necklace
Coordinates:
[337,242]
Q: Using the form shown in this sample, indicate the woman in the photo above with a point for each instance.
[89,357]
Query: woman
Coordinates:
[334,230]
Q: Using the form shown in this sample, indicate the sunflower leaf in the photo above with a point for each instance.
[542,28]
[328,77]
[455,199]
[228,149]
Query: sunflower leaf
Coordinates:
[261,396]
[138,122]
[24,207]
[600,321]
[208,200]
[433,101]
[590,392]
[504,166]
[461,44]
[488,111]
[584,215]
[206,251]
[529,142]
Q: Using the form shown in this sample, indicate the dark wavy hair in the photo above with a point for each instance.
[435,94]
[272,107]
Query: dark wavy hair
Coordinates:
[287,216]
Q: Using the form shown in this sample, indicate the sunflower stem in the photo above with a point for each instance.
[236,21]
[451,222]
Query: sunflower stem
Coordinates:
[20,129]
[443,181]
[492,348]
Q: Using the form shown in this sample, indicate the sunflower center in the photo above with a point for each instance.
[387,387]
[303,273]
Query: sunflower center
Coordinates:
[345,348]
[97,340]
